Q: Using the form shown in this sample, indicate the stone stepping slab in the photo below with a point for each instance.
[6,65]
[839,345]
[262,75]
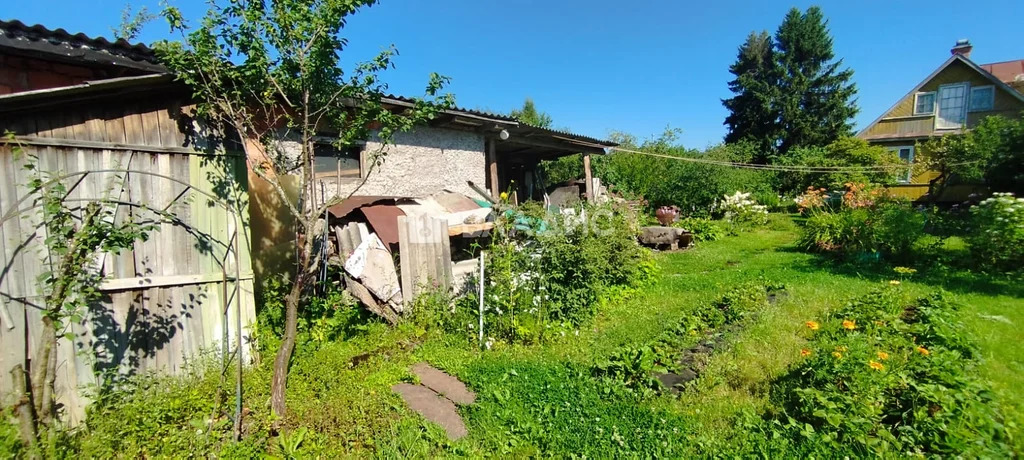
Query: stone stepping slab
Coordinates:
[435,399]
[433,407]
[444,384]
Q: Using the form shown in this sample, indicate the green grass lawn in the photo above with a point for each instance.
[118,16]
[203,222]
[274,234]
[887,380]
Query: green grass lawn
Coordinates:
[736,379]
[542,399]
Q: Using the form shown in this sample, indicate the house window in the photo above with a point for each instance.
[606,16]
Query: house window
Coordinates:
[982,98]
[330,161]
[924,103]
[952,106]
[906,154]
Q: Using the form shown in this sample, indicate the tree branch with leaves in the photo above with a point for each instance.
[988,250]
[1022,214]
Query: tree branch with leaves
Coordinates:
[271,74]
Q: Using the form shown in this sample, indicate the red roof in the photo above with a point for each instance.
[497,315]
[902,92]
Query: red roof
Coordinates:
[1006,72]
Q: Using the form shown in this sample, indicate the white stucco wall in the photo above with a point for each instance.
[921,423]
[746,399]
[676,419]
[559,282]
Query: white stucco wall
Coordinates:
[418,163]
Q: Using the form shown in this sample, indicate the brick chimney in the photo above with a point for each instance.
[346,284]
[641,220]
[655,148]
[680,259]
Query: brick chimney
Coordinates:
[963,47]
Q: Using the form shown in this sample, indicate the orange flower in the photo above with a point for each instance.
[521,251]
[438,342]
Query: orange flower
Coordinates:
[876,365]
[813,325]
[805,352]
[837,354]
[882,355]
[849,324]
[923,351]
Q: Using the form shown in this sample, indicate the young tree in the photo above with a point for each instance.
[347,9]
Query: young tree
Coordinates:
[815,96]
[531,116]
[752,116]
[270,72]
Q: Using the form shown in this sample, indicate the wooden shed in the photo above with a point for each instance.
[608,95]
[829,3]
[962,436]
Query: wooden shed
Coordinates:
[189,288]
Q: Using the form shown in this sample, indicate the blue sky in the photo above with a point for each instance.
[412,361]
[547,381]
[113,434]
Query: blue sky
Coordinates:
[637,67]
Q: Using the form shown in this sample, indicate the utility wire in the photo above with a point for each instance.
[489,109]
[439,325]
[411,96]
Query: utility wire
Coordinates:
[769,167]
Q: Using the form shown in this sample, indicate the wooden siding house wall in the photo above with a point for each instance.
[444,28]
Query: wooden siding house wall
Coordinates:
[171,297]
[899,127]
[901,122]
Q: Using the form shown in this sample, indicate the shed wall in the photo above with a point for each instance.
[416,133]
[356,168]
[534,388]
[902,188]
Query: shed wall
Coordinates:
[164,301]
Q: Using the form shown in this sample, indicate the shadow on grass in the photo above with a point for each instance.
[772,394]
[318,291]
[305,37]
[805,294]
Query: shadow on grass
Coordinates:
[952,277]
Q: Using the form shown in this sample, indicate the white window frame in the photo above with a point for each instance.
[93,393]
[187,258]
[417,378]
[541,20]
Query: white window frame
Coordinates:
[934,100]
[963,113]
[910,164]
[992,100]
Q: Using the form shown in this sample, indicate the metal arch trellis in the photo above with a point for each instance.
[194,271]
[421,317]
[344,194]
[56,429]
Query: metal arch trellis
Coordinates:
[230,247]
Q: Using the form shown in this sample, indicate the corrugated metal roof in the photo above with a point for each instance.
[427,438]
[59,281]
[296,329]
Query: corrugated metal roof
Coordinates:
[580,137]
[79,47]
[100,51]
[479,113]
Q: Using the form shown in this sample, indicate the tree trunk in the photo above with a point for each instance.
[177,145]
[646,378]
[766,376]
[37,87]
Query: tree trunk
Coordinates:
[43,373]
[279,382]
[23,407]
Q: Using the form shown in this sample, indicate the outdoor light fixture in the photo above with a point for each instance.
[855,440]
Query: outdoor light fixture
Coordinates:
[503,134]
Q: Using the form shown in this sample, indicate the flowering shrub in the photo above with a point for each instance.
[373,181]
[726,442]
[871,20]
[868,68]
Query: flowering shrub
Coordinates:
[740,209]
[997,236]
[546,273]
[811,200]
[866,223]
[883,377]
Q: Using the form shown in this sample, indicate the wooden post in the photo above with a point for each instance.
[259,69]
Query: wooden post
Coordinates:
[588,177]
[492,168]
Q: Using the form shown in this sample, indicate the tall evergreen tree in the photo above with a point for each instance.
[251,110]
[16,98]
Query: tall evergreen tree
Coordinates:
[815,102]
[790,92]
[752,116]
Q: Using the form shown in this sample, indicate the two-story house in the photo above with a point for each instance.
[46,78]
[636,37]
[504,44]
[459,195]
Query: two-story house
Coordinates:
[956,96]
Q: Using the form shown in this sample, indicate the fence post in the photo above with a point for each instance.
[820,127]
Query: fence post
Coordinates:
[481,299]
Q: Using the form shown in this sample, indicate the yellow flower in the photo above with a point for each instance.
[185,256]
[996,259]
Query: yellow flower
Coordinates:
[503,196]
[849,324]
[805,352]
[879,323]
[923,351]
[876,365]
[837,354]
[813,325]
[894,282]
[904,270]
[882,355]
[842,348]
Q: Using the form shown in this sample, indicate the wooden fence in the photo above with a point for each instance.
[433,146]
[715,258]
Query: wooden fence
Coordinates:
[173,296]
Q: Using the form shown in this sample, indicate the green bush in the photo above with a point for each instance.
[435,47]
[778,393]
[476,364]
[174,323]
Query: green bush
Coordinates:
[884,377]
[547,272]
[703,229]
[694,187]
[884,228]
[845,152]
[997,234]
[323,316]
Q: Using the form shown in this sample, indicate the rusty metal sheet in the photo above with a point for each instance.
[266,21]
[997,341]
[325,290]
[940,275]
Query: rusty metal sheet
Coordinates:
[340,210]
[383,219]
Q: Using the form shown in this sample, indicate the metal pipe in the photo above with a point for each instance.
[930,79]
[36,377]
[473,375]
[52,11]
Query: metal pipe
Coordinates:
[481,283]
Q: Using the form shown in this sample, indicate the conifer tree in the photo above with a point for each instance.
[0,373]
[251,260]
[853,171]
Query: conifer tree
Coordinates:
[752,117]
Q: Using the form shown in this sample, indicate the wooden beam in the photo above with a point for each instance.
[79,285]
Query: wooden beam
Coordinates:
[96,145]
[588,177]
[492,168]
